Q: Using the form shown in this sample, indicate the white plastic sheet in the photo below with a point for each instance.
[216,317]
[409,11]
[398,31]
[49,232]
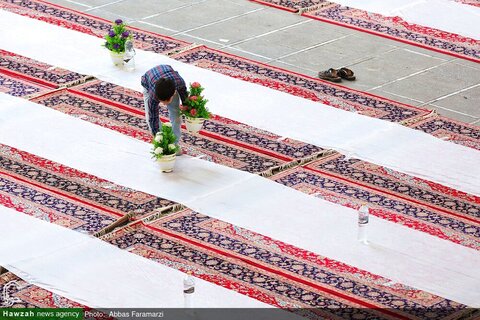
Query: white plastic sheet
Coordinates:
[388,144]
[258,204]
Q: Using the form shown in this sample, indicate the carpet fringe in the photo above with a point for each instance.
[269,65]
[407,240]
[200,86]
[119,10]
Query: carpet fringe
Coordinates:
[126,222]
[40,94]
[60,88]
[314,7]
[415,120]
[122,221]
[295,163]
[77,82]
[108,236]
[174,52]
[159,213]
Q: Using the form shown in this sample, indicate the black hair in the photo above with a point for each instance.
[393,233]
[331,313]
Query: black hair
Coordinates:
[164,89]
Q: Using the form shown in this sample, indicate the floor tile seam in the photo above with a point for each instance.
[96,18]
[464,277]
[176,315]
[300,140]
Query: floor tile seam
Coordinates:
[412,50]
[218,21]
[103,5]
[295,66]
[248,52]
[459,62]
[79,3]
[173,9]
[267,33]
[410,75]
[311,47]
[371,57]
[155,25]
[454,111]
[128,20]
[432,101]
[398,95]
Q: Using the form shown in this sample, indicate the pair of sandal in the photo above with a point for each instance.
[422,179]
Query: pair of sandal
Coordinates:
[336,75]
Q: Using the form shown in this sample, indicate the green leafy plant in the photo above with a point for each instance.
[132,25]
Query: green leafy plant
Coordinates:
[194,106]
[164,142]
[117,36]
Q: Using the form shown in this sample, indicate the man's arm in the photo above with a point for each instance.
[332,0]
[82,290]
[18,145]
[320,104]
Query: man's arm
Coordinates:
[182,92]
[152,115]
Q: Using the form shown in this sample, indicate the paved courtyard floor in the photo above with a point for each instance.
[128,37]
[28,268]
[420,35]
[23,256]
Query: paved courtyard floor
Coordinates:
[384,67]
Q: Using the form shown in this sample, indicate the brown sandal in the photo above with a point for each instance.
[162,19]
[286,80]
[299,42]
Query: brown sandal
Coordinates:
[330,75]
[346,74]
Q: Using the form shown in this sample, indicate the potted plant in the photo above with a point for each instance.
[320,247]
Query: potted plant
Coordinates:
[164,147]
[193,109]
[115,41]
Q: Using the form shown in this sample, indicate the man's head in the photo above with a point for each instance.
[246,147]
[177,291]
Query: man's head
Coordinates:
[164,90]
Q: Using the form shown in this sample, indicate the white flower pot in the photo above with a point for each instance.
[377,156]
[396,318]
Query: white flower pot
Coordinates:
[167,162]
[194,124]
[117,58]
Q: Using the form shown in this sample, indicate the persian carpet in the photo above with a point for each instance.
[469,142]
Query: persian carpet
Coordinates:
[394,28]
[37,72]
[79,21]
[17,293]
[450,130]
[58,194]
[419,204]
[275,272]
[19,87]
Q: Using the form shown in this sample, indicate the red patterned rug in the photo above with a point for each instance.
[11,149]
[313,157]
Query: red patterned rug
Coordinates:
[58,194]
[467,135]
[95,26]
[419,204]
[19,87]
[24,77]
[17,293]
[394,28]
[37,72]
[274,272]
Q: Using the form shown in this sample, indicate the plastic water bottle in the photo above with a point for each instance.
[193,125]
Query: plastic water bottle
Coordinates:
[129,57]
[363,213]
[188,289]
